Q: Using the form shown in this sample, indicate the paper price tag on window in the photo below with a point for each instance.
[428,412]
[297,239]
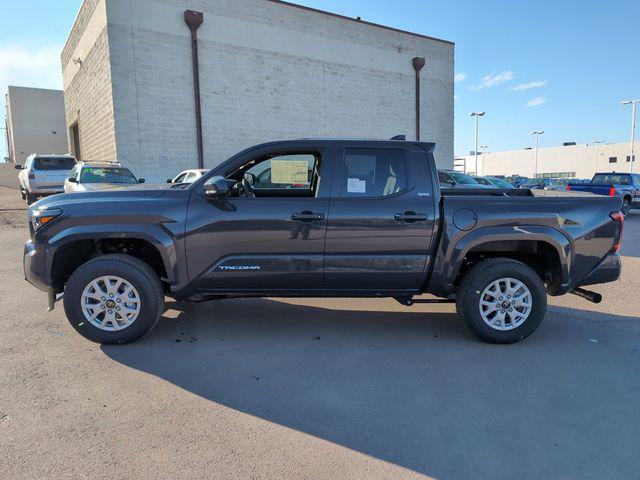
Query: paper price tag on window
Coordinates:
[355,185]
[288,171]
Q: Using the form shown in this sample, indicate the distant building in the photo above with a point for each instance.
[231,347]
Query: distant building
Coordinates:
[35,122]
[569,161]
[268,70]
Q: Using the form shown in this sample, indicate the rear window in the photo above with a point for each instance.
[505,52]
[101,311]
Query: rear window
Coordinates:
[611,178]
[54,163]
[106,175]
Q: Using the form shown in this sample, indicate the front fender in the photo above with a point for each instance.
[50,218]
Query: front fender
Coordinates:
[156,235]
[453,251]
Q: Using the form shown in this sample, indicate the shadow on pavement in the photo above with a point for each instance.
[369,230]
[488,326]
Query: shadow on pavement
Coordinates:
[413,389]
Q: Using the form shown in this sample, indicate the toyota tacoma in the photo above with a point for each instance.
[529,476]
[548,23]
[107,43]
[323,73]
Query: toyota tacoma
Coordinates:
[320,218]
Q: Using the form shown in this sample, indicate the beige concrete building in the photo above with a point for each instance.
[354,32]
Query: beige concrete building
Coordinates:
[35,122]
[269,70]
[571,161]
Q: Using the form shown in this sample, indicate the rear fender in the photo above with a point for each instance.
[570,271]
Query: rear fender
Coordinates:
[452,253]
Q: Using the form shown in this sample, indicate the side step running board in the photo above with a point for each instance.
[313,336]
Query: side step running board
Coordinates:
[408,301]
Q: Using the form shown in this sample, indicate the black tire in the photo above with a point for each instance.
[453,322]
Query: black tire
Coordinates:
[22,195]
[626,207]
[482,276]
[134,271]
[30,198]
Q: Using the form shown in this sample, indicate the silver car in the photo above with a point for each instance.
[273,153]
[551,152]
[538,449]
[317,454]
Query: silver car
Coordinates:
[43,175]
[90,176]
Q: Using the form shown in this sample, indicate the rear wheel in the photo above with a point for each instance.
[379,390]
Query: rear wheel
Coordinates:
[502,300]
[30,197]
[626,206]
[113,299]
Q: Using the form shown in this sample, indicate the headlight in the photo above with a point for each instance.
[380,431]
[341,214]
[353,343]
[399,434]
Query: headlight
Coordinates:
[42,216]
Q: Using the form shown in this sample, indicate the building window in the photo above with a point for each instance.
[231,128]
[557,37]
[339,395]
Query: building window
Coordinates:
[556,175]
[613,159]
[629,158]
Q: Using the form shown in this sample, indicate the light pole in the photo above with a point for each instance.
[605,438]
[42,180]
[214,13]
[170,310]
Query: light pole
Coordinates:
[483,147]
[537,133]
[634,104]
[597,144]
[475,150]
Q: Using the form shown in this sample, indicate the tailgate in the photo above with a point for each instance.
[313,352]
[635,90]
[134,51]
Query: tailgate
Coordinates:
[597,188]
[50,178]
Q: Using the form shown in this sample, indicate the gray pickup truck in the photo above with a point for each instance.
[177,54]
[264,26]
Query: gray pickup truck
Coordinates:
[320,218]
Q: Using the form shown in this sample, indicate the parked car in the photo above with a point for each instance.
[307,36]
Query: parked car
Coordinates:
[519,181]
[43,175]
[376,225]
[624,185]
[188,176]
[493,182]
[453,179]
[546,184]
[90,176]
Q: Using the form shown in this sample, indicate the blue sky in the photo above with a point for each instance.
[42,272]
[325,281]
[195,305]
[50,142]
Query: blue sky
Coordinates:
[562,66]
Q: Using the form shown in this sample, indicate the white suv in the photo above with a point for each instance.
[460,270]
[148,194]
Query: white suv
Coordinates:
[43,175]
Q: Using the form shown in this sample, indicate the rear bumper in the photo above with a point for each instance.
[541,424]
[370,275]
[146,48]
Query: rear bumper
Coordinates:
[608,270]
[37,190]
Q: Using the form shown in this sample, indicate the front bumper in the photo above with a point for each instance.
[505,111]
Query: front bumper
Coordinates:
[608,270]
[33,266]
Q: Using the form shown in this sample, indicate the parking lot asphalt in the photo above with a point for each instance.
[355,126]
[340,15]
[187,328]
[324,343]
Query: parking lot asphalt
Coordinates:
[326,388]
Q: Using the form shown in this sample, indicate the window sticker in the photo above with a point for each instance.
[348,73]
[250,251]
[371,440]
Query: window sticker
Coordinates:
[355,185]
[290,171]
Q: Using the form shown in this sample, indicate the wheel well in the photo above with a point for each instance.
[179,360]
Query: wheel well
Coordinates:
[72,255]
[539,255]
[628,197]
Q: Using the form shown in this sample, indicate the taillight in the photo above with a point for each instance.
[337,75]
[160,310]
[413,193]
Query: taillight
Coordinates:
[617,217]
[568,187]
[612,192]
[31,176]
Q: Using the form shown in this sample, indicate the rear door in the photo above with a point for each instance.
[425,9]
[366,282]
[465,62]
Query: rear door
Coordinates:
[381,220]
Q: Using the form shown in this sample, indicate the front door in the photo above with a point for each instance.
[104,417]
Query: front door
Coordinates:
[269,235]
[381,220]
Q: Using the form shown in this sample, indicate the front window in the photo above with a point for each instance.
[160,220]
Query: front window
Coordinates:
[107,175]
[284,172]
[498,182]
[54,163]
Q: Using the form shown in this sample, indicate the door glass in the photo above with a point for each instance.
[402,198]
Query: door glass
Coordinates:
[283,174]
[373,173]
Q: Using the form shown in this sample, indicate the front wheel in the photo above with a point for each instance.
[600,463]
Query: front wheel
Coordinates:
[502,300]
[113,299]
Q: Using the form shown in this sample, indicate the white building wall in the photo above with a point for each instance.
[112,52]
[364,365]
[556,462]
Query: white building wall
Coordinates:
[581,160]
[35,122]
[268,71]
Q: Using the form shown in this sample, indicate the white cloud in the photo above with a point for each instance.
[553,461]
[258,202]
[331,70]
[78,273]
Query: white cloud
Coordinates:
[536,102]
[460,77]
[493,80]
[38,67]
[529,86]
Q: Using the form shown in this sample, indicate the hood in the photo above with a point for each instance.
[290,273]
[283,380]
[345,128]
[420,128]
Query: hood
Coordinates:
[109,192]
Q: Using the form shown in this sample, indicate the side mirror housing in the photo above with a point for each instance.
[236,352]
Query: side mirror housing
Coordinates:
[18,167]
[72,180]
[216,188]
[141,180]
[169,180]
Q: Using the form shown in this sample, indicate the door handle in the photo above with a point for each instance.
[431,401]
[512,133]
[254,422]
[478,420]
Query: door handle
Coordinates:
[410,217]
[307,216]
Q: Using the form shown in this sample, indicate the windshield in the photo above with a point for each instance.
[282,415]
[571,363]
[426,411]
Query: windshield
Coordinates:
[107,175]
[498,182]
[463,178]
[53,163]
[612,178]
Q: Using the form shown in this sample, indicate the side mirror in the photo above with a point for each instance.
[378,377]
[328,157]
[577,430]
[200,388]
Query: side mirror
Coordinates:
[216,188]
[72,180]
[169,180]
[18,167]
[141,180]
